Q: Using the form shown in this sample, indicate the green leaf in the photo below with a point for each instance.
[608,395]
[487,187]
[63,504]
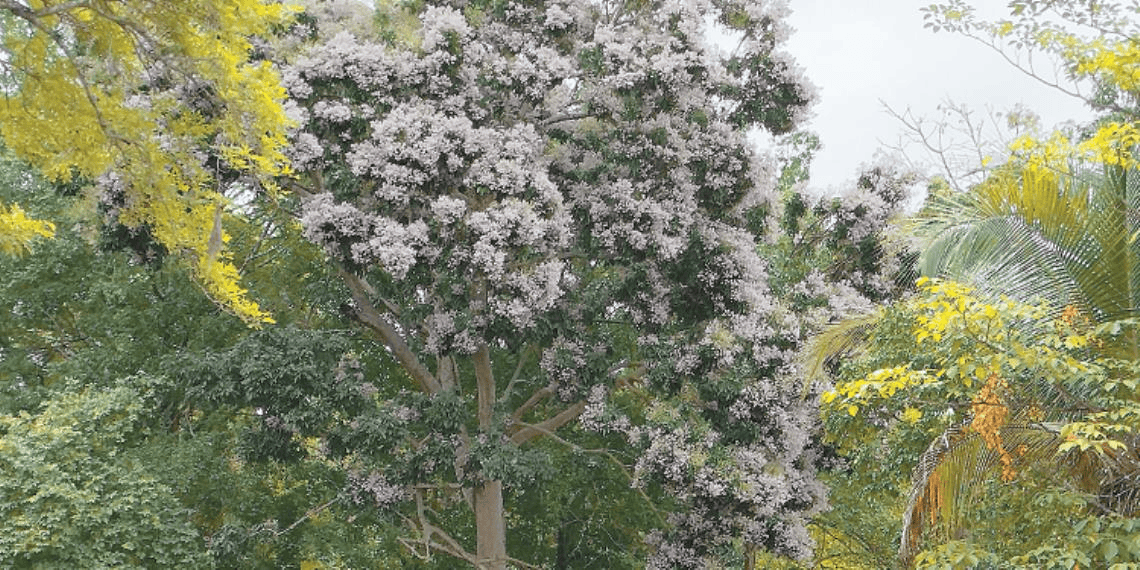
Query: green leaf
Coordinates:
[1108,550]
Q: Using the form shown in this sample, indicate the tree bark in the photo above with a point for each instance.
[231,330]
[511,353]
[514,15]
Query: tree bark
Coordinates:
[367,313]
[490,525]
[490,518]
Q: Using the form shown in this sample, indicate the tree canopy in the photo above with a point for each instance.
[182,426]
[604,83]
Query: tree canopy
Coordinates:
[154,100]
[543,210]
[1011,381]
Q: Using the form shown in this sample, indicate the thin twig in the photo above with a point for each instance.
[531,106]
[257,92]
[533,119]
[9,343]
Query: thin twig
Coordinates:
[606,453]
[308,514]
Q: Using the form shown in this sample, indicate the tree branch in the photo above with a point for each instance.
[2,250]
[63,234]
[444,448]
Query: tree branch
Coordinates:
[26,12]
[446,373]
[548,427]
[1027,69]
[308,514]
[607,454]
[366,312]
[538,396]
[517,373]
[430,545]
[451,546]
[564,118]
[253,253]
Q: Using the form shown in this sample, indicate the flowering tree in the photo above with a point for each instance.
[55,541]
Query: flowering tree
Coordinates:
[139,95]
[542,210]
[1004,389]
[1090,51]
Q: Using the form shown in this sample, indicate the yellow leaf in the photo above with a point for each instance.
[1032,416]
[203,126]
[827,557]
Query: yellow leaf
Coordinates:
[83,118]
[911,415]
[17,230]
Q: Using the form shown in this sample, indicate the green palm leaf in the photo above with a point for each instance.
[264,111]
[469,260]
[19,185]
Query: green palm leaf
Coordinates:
[1063,235]
[1067,236]
[951,472]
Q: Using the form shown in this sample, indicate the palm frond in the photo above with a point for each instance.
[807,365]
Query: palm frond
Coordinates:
[847,338]
[1068,237]
[954,467]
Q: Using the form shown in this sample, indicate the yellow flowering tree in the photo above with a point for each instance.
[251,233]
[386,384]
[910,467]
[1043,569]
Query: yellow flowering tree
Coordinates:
[997,391]
[153,99]
[1018,391]
[1055,220]
[1096,49]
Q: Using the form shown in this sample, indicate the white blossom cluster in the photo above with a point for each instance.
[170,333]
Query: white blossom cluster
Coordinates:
[760,481]
[843,300]
[374,488]
[566,363]
[867,249]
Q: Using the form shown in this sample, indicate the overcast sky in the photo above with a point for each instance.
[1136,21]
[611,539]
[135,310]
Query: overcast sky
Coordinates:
[859,52]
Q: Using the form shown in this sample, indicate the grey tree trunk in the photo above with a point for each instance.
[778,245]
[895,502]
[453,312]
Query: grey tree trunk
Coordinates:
[490,526]
[490,520]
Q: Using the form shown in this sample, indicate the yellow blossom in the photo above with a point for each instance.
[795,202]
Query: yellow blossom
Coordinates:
[17,230]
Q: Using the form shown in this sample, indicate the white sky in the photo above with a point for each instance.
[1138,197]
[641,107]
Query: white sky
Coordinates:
[858,52]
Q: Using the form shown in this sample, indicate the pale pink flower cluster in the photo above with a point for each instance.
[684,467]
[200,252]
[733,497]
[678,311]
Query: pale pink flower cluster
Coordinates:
[562,363]
[374,488]
[332,111]
[440,328]
[672,455]
[372,239]
[438,23]
[534,293]
[599,417]
[843,300]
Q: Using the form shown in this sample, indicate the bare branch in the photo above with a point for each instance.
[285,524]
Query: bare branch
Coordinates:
[366,312]
[538,396]
[308,515]
[961,146]
[529,432]
[1026,68]
[253,253]
[565,118]
[450,546]
[517,375]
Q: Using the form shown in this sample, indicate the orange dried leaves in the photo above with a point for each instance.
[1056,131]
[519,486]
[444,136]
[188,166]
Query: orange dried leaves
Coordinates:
[991,414]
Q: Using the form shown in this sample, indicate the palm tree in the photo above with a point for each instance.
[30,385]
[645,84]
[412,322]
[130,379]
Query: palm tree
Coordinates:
[1062,232]
[1059,232]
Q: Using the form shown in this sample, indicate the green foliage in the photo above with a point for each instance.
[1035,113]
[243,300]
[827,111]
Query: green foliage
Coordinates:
[75,312]
[956,555]
[83,319]
[74,491]
[1003,389]
[1013,408]
[847,239]
[586,516]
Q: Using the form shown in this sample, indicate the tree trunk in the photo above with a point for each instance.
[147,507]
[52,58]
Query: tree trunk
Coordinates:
[490,527]
[490,519]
